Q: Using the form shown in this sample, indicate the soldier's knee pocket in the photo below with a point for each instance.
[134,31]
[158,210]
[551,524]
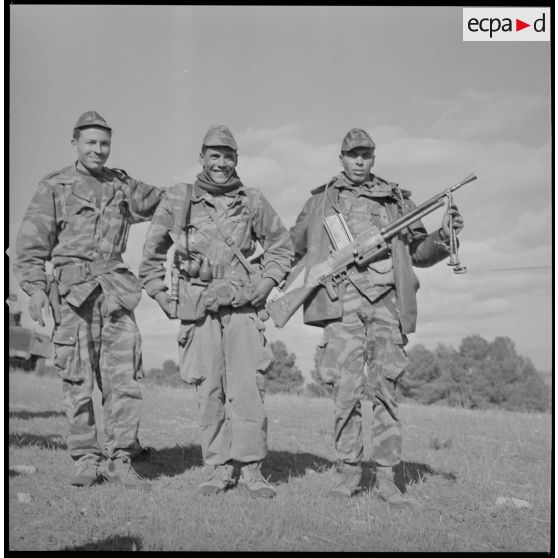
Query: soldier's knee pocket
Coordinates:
[67,361]
[262,352]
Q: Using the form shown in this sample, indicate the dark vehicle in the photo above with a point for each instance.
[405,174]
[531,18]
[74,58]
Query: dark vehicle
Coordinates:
[28,350]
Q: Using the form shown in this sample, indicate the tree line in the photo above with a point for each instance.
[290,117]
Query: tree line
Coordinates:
[477,375]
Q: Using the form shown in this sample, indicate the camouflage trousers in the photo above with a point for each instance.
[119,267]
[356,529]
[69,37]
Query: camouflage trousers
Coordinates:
[93,348]
[368,336]
[225,355]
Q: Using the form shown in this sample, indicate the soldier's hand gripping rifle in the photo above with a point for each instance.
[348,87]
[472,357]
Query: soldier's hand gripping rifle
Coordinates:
[367,247]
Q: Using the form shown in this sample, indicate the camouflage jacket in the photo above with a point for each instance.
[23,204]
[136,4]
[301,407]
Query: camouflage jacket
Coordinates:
[64,225]
[246,217]
[412,246]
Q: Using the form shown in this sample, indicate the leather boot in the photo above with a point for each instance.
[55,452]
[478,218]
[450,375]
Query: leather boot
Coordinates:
[252,482]
[120,471]
[87,473]
[219,480]
[347,480]
[386,489]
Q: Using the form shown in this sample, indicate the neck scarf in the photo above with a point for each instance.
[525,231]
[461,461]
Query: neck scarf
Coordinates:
[346,182]
[229,188]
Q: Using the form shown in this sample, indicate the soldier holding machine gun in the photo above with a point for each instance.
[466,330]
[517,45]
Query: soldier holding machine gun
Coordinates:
[365,310]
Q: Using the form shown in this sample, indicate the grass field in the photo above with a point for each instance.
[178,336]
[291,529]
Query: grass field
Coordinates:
[456,464]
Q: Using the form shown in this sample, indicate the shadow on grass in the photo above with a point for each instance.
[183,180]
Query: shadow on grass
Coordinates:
[169,461]
[115,542]
[406,473]
[25,415]
[279,466]
[23,439]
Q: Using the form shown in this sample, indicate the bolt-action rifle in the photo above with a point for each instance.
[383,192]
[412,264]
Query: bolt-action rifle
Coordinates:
[368,246]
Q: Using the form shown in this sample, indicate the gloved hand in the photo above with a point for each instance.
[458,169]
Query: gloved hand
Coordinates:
[164,301]
[261,291]
[457,222]
[37,302]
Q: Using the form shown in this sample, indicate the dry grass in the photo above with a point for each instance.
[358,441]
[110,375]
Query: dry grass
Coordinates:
[456,463]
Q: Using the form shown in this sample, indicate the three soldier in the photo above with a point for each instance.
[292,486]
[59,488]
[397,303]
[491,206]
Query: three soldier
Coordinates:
[230,249]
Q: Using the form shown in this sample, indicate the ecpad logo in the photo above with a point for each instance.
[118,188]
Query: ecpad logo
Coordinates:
[506,24]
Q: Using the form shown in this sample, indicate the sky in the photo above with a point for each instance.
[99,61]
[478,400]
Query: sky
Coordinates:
[290,81]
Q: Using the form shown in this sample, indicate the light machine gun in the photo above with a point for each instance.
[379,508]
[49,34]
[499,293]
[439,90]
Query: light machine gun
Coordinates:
[367,247]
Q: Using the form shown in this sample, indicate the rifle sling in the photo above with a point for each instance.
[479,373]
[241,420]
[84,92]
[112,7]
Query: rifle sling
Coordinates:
[181,224]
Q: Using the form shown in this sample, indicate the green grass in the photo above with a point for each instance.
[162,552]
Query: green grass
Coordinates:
[456,463]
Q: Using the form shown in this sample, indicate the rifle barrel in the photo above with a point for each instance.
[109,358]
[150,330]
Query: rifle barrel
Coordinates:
[396,226]
[423,209]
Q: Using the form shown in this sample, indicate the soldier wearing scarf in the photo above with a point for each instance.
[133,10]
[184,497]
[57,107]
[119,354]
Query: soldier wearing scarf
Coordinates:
[221,295]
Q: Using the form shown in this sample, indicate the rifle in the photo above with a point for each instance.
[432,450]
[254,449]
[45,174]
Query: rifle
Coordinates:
[367,247]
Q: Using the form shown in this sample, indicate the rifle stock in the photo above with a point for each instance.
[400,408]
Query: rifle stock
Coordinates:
[281,309]
[367,247]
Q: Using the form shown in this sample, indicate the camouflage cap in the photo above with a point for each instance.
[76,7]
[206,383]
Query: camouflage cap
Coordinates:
[219,136]
[91,118]
[357,138]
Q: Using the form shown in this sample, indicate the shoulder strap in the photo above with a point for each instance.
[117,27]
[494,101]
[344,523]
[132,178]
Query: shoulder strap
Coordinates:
[181,223]
[229,240]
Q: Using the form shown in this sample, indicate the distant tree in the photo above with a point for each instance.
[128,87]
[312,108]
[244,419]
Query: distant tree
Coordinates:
[422,369]
[284,375]
[167,375]
[317,388]
[479,375]
[170,367]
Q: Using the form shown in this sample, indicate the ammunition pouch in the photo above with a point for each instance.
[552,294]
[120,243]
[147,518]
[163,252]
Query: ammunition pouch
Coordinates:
[230,286]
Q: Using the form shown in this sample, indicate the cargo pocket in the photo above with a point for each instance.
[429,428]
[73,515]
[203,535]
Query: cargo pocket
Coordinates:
[395,359]
[65,341]
[190,369]
[327,364]
[264,355]
[381,273]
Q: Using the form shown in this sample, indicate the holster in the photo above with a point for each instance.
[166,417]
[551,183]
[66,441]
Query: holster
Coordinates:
[53,298]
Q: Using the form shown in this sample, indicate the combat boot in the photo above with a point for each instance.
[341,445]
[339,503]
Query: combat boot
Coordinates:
[253,483]
[87,473]
[220,479]
[386,489]
[346,482]
[120,471]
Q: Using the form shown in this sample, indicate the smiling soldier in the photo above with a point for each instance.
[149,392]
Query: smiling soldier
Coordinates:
[216,225]
[79,220]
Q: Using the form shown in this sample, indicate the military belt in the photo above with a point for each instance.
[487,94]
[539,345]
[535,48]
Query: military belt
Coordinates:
[74,273]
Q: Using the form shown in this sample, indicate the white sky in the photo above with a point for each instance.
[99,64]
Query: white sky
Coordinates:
[290,82]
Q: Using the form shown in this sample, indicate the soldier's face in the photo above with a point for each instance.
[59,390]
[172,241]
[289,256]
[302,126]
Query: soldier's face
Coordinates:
[219,163]
[357,163]
[92,148]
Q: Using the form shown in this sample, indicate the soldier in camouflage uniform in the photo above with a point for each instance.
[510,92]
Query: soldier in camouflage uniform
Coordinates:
[366,326]
[79,220]
[221,295]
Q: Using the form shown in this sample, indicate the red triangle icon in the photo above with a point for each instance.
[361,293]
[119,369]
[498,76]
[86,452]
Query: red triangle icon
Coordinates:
[519,25]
